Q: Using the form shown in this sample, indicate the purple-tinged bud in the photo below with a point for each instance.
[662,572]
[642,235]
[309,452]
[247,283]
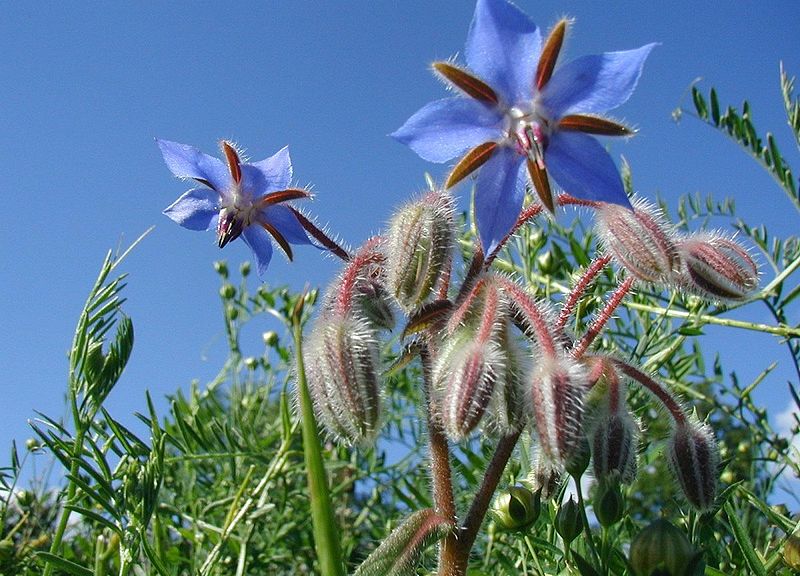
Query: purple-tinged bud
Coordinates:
[694,459]
[569,520]
[557,389]
[465,377]
[640,240]
[419,244]
[661,549]
[342,357]
[517,508]
[614,443]
[716,267]
[473,362]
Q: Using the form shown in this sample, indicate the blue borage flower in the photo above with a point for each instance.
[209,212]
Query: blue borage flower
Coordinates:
[524,115]
[247,200]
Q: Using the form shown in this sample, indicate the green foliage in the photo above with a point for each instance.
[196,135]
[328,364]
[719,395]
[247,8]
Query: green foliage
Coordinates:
[217,484]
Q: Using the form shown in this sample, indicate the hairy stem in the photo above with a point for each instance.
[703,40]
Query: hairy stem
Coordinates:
[491,478]
[441,476]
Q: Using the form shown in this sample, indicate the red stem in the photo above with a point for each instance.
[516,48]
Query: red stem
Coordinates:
[605,315]
[655,388]
[577,292]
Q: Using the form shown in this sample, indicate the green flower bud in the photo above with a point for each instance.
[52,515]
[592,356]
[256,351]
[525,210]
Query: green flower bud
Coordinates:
[227,291]
[244,269]
[609,504]
[419,244]
[517,508]
[221,267]
[661,549]
[270,338]
[343,364]
[569,520]
[32,444]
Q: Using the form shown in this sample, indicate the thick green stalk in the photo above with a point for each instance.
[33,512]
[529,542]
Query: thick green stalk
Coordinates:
[326,537]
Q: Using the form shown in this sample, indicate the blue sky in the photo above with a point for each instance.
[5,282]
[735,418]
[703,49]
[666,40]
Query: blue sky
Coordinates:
[85,89]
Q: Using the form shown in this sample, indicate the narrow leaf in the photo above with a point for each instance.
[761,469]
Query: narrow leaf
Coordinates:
[65,565]
[283,196]
[743,540]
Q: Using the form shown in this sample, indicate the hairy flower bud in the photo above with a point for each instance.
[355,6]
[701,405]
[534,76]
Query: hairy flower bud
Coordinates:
[475,364]
[614,441]
[374,303]
[507,413]
[420,240]
[661,549]
[639,240]
[516,508]
[465,377]
[694,459]
[556,399]
[716,267]
[342,357]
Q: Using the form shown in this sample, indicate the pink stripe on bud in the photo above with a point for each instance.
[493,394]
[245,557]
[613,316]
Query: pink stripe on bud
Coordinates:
[716,267]
[694,459]
[639,240]
[557,388]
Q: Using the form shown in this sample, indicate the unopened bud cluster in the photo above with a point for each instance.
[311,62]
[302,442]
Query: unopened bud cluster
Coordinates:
[710,265]
[497,359]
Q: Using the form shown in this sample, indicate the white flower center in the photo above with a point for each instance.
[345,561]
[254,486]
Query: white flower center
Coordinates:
[528,129]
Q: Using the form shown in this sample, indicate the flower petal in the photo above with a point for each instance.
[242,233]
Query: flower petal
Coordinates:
[284,221]
[583,168]
[195,210]
[446,128]
[258,241]
[503,48]
[499,191]
[273,173]
[188,162]
[594,84]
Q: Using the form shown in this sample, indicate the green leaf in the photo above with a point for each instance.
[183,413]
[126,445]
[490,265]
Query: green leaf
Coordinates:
[714,107]
[65,565]
[742,539]
[699,103]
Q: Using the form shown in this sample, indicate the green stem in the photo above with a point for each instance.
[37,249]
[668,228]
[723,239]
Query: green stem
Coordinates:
[785,331]
[72,488]
[326,537]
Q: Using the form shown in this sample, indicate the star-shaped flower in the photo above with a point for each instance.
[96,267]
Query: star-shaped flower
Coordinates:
[246,200]
[521,114]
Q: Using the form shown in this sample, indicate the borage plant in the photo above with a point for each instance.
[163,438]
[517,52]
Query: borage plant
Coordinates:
[496,359]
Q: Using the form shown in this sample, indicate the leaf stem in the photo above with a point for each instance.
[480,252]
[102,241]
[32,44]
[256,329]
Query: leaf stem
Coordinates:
[326,536]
